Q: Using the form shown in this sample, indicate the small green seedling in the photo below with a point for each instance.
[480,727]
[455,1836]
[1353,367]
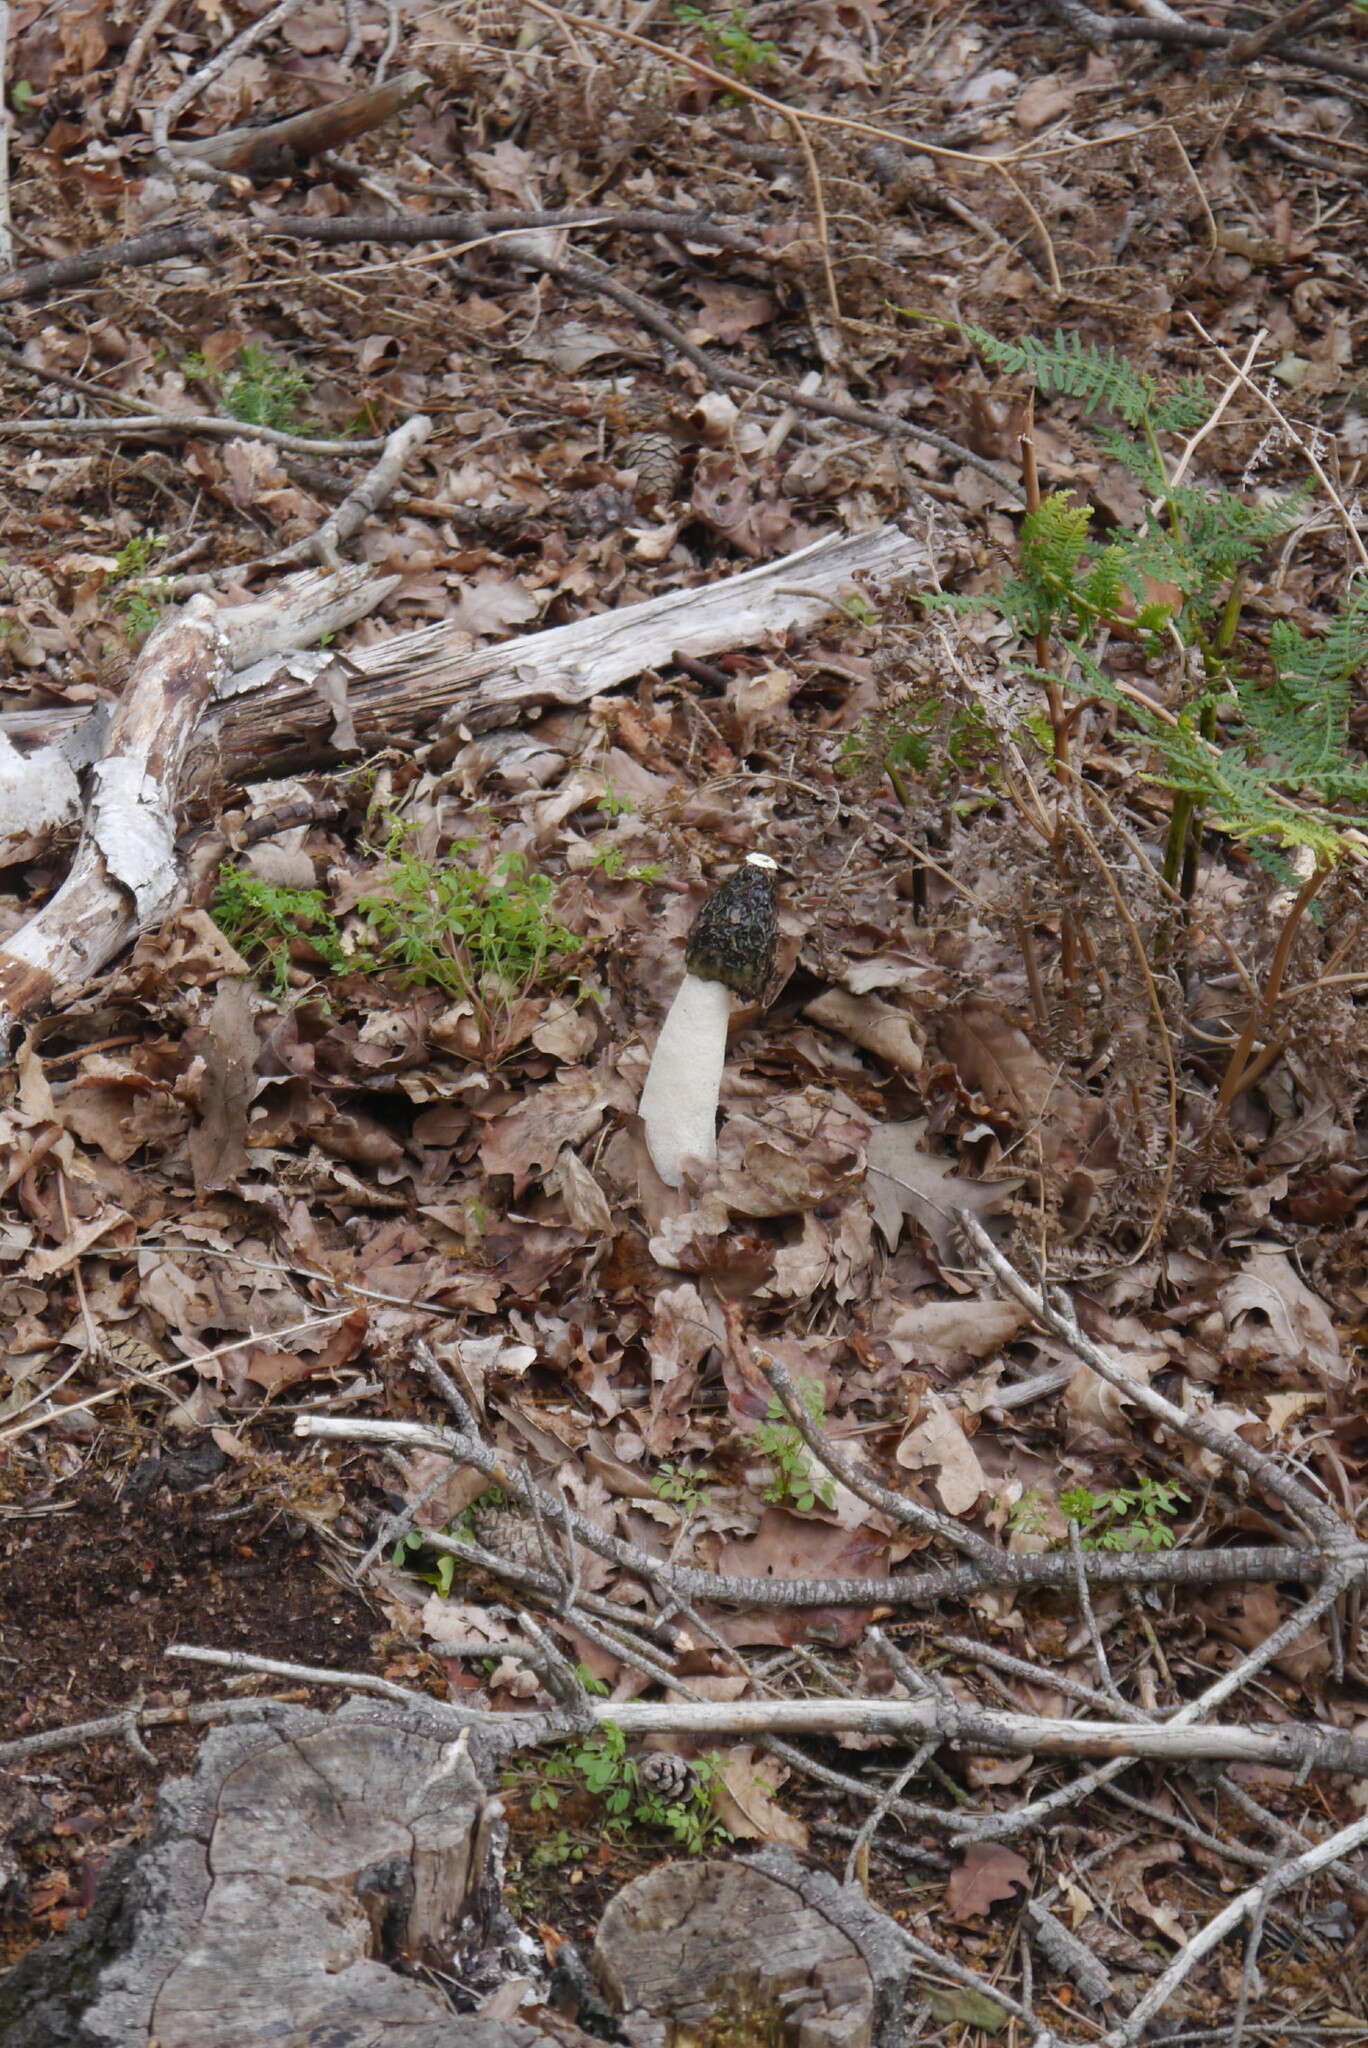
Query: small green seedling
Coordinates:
[614,1778]
[610,862]
[730,43]
[793,1483]
[265,392]
[681,1485]
[264,922]
[445,925]
[1135,1517]
[614,805]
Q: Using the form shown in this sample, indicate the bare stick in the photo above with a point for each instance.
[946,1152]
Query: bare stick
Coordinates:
[924,1589]
[197,1714]
[181,423]
[274,149]
[117,110]
[358,506]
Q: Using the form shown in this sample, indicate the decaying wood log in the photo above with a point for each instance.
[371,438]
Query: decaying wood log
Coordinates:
[289,1880]
[781,1952]
[282,712]
[125,875]
[40,791]
[404,687]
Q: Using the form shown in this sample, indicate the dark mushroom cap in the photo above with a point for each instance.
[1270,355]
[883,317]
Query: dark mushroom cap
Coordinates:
[732,939]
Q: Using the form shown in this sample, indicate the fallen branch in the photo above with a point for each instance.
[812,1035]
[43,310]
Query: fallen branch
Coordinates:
[363,500]
[385,230]
[907,1589]
[275,150]
[40,791]
[195,1714]
[1101,29]
[271,721]
[1320,1857]
[1297,1747]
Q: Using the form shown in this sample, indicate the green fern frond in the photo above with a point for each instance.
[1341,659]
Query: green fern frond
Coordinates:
[1054,536]
[1074,368]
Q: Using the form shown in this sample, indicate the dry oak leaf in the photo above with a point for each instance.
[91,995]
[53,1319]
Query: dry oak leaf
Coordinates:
[1299,1330]
[939,1444]
[744,1801]
[998,1061]
[538,1128]
[801,1153]
[989,1873]
[905,1181]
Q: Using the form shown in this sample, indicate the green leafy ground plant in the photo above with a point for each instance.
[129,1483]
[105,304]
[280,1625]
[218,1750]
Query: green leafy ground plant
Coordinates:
[1138,1517]
[792,1482]
[1258,747]
[263,392]
[730,43]
[600,1766]
[440,924]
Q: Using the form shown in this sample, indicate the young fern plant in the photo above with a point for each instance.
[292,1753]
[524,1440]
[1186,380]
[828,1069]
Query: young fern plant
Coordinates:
[1253,742]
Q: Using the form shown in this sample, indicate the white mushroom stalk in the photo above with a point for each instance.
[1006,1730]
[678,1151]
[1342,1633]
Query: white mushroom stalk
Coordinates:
[729,952]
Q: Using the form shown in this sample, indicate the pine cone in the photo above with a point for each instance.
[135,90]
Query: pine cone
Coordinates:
[656,461]
[669,1777]
[503,1528]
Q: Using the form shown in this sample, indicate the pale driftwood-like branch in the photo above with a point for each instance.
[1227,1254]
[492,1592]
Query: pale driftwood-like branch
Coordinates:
[40,791]
[275,149]
[125,875]
[400,688]
[360,502]
[1297,1747]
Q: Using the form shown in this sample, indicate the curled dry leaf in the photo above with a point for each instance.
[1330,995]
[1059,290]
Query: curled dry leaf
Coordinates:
[1273,1314]
[744,1799]
[938,1444]
[872,1024]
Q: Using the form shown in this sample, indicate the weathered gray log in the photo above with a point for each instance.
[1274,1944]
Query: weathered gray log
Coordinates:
[783,1952]
[125,874]
[275,717]
[40,788]
[281,1883]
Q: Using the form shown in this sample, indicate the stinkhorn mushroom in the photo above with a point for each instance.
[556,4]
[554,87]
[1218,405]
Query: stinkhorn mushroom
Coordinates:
[729,951]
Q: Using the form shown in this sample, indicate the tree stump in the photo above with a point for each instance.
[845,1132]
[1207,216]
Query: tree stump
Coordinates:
[280,1882]
[762,1954]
